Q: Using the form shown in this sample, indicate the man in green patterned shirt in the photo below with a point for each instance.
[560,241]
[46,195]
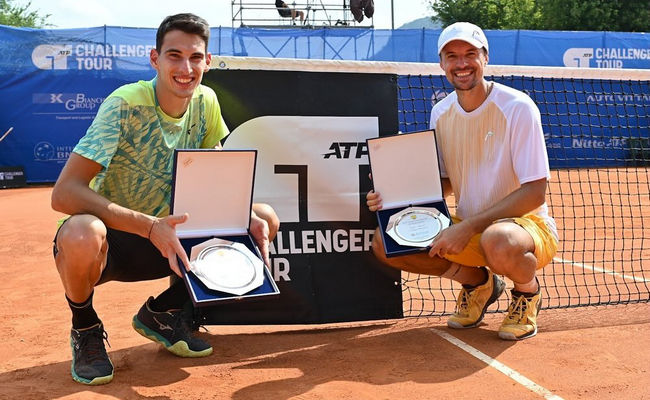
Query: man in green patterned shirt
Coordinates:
[116,187]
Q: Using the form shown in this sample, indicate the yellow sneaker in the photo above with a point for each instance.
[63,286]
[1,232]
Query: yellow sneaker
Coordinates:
[472,303]
[521,320]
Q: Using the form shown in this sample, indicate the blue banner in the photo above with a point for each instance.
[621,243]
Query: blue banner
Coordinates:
[53,80]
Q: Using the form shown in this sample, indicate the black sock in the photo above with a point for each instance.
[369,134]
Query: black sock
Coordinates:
[83,314]
[483,282]
[516,293]
[171,299]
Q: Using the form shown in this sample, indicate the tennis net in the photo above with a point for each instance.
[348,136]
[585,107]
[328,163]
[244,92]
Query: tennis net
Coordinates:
[597,128]
[596,124]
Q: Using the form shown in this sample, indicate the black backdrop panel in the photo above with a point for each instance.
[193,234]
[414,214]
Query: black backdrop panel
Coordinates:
[322,286]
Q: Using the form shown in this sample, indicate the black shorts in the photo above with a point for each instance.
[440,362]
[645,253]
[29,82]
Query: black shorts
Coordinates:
[284,12]
[131,258]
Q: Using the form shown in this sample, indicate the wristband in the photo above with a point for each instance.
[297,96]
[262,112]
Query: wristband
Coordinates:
[151,229]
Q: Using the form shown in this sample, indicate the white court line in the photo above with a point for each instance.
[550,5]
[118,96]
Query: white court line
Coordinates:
[504,369]
[591,267]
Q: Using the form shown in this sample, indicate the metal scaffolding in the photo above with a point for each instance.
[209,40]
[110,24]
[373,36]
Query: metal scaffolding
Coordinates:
[317,13]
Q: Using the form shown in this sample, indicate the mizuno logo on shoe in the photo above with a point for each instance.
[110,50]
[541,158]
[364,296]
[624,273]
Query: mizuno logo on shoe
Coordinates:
[162,326]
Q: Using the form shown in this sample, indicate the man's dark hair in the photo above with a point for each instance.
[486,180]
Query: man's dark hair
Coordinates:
[188,23]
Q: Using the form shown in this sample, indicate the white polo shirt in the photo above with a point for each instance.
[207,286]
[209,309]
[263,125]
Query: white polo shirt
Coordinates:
[491,151]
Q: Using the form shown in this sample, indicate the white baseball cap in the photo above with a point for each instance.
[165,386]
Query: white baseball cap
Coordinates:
[464,31]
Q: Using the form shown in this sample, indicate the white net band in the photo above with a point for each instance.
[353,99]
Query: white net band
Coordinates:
[405,68]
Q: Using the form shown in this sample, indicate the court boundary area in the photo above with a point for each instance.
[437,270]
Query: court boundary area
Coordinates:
[586,353]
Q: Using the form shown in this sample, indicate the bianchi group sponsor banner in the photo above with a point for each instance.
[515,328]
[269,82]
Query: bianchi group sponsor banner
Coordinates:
[310,131]
[48,117]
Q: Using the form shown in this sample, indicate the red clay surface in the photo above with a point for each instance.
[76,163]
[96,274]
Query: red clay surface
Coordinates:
[583,353]
[604,252]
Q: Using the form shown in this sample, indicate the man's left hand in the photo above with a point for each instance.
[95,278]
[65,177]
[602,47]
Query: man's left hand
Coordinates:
[451,240]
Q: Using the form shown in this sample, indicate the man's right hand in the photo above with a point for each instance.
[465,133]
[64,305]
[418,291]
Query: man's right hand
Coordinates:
[163,236]
[373,200]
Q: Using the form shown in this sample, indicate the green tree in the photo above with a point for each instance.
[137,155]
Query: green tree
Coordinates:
[595,15]
[488,14]
[578,15]
[16,15]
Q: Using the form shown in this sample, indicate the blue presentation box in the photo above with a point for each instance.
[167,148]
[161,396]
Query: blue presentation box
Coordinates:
[406,173]
[215,187]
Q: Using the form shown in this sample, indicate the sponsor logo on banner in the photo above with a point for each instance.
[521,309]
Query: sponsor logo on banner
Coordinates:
[552,142]
[603,57]
[618,98]
[46,151]
[68,105]
[599,143]
[437,96]
[308,171]
[86,56]
[347,150]
[51,56]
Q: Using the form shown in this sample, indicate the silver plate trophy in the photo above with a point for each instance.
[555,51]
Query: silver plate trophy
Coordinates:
[227,266]
[416,226]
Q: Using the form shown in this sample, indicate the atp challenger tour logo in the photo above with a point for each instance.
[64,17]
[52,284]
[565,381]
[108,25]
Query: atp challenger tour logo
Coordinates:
[51,56]
[347,149]
[603,57]
[85,56]
[308,169]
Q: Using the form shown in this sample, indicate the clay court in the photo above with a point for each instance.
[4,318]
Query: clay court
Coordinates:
[590,352]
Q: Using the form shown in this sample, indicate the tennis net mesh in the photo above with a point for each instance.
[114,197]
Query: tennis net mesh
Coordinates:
[596,123]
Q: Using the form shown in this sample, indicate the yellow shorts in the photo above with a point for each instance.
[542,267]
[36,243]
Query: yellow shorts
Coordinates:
[545,243]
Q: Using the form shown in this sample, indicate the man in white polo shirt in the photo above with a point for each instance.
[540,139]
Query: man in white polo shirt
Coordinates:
[493,158]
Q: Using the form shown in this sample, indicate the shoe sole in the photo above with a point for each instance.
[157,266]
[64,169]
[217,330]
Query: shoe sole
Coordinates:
[179,348]
[501,287]
[99,380]
[512,336]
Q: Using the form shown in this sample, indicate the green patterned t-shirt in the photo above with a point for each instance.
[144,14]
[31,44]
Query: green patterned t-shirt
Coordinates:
[134,141]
